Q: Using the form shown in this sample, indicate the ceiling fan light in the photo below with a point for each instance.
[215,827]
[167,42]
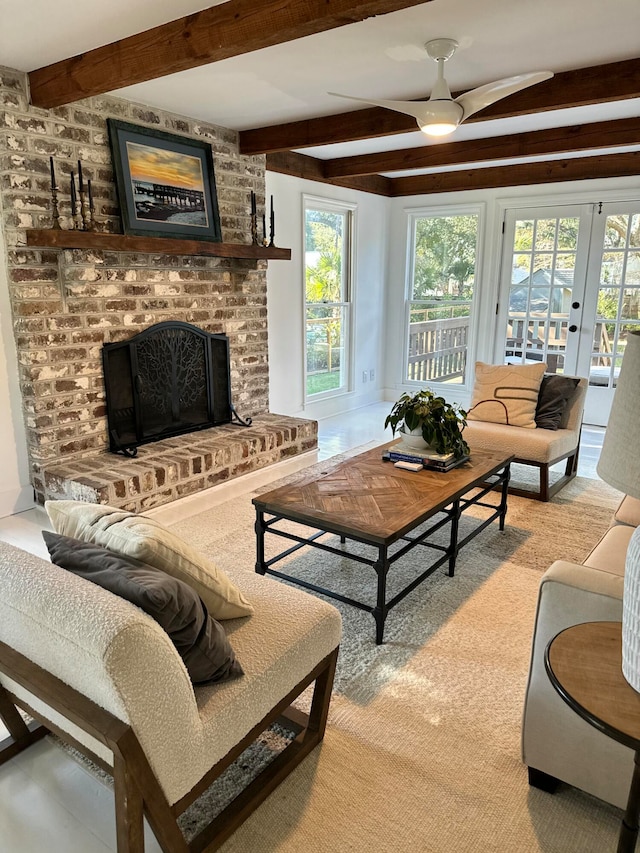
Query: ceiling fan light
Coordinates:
[440,117]
[438,128]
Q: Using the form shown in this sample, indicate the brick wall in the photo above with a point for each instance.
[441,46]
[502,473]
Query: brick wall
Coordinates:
[67,304]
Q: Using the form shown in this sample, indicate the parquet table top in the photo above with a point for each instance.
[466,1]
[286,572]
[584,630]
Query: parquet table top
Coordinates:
[368,499]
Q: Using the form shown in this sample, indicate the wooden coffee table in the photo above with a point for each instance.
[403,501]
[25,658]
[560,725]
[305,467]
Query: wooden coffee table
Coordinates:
[367,500]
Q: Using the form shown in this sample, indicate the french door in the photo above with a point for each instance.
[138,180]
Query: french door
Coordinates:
[612,300]
[570,289]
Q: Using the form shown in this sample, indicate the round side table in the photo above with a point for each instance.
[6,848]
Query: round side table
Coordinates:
[584,664]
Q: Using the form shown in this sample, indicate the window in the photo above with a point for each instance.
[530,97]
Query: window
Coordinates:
[440,295]
[618,308]
[328,261]
[544,275]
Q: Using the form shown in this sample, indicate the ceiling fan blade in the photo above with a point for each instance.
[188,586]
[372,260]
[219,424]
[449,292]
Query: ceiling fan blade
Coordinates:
[418,109]
[477,99]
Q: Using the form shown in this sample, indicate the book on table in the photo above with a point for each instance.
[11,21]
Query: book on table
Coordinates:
[431,461]
[406,453]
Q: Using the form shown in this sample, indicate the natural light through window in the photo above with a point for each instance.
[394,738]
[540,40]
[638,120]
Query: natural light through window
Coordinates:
[440,301]
[327,296]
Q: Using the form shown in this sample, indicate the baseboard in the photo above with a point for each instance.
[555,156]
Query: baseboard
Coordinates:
[176,511]
[13,501]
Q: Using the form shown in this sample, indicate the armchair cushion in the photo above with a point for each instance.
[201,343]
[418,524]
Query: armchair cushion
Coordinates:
[506,393]
[200,641]
[555,392]
[534,445]
[146,539]
[628,512]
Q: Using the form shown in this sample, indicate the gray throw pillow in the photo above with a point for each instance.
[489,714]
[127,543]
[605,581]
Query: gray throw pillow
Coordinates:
[200,641]
[555,393]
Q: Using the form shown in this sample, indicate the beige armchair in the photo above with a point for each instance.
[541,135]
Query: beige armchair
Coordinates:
[557,744]
[540,448]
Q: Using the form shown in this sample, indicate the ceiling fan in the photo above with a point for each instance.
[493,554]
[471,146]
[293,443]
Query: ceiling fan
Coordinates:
[441,114]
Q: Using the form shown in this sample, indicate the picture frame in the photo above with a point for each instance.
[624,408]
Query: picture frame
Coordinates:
[165,183]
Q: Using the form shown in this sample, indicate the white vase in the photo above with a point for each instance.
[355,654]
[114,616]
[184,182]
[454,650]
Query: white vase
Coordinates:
[631,613]
[413,438]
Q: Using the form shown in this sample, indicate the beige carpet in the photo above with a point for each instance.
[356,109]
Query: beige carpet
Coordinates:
[422,751]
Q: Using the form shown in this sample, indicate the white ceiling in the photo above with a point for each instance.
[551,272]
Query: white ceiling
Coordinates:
[380,57]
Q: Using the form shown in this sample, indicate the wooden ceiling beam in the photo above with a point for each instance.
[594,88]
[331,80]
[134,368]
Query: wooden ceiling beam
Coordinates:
[615,81]
[574,169]
[220,32]
[557,140]
[312,169]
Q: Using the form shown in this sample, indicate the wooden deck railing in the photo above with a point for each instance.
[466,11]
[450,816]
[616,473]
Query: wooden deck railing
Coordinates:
[438,349]
[530,334]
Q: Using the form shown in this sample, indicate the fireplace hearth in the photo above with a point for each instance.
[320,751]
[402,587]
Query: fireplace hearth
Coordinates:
[170,379]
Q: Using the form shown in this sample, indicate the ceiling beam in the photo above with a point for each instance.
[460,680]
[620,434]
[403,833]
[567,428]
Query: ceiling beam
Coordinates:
[574,169]
[557,140]
[615,81]
[520,174]
[312,169]
[220,32]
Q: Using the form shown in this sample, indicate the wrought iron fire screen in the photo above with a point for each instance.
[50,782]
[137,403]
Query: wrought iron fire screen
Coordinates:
[170,379]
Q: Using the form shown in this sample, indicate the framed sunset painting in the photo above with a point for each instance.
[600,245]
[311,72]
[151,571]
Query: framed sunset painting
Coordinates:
[165,183]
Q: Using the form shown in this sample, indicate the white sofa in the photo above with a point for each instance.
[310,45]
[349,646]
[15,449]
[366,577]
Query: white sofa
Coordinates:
[556,743]
[540,448]
[103,674]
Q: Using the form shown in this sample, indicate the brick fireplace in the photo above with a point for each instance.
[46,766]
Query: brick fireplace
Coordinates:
[67,303]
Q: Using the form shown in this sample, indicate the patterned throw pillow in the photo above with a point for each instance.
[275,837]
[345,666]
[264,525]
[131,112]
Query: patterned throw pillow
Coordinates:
[146,539]
[506,393]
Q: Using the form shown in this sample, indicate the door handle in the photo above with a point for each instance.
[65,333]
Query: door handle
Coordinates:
[575,304]
[573,328]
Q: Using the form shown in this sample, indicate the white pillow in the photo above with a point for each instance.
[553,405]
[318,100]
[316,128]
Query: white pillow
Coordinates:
[506,393]
[145,539]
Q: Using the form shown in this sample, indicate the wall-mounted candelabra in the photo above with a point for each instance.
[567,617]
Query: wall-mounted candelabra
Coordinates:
[257,241]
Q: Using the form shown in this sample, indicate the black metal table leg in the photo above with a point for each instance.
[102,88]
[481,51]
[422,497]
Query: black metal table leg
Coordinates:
[380,610]
[260,528]
[629,829]
[453,541]
[503,499]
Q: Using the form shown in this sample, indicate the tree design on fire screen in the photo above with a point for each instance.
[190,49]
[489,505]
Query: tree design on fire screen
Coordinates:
[171,367]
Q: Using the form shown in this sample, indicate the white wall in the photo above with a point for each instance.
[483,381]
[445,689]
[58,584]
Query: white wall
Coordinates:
[495,201]
[285,294]
[16,494]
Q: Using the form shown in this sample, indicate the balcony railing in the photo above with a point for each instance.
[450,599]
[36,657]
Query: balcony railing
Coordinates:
[438,349]
[545,339]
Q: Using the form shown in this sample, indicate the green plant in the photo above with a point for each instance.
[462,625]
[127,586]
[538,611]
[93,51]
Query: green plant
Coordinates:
[442,423]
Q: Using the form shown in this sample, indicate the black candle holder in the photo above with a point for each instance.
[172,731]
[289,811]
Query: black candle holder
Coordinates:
[263,241]
[56,213]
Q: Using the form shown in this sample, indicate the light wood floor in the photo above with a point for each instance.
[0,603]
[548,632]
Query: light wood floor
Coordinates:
[50,803]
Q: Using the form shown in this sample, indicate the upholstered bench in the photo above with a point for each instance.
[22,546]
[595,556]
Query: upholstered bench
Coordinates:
[105,676]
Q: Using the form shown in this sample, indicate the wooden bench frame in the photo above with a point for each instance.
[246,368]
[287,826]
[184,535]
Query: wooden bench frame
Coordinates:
[546,490]
[137,791]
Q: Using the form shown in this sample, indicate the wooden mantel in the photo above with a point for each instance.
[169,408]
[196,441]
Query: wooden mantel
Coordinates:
[61,239]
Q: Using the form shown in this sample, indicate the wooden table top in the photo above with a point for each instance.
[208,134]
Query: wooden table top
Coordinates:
[584,663]
[371,500]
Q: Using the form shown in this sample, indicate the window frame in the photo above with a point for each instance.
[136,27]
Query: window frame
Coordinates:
[349,211]
[444,211]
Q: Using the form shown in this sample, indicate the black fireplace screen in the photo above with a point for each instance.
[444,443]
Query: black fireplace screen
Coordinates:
[170,379]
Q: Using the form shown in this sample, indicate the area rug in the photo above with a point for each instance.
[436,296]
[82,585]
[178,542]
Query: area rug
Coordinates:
[422,751]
